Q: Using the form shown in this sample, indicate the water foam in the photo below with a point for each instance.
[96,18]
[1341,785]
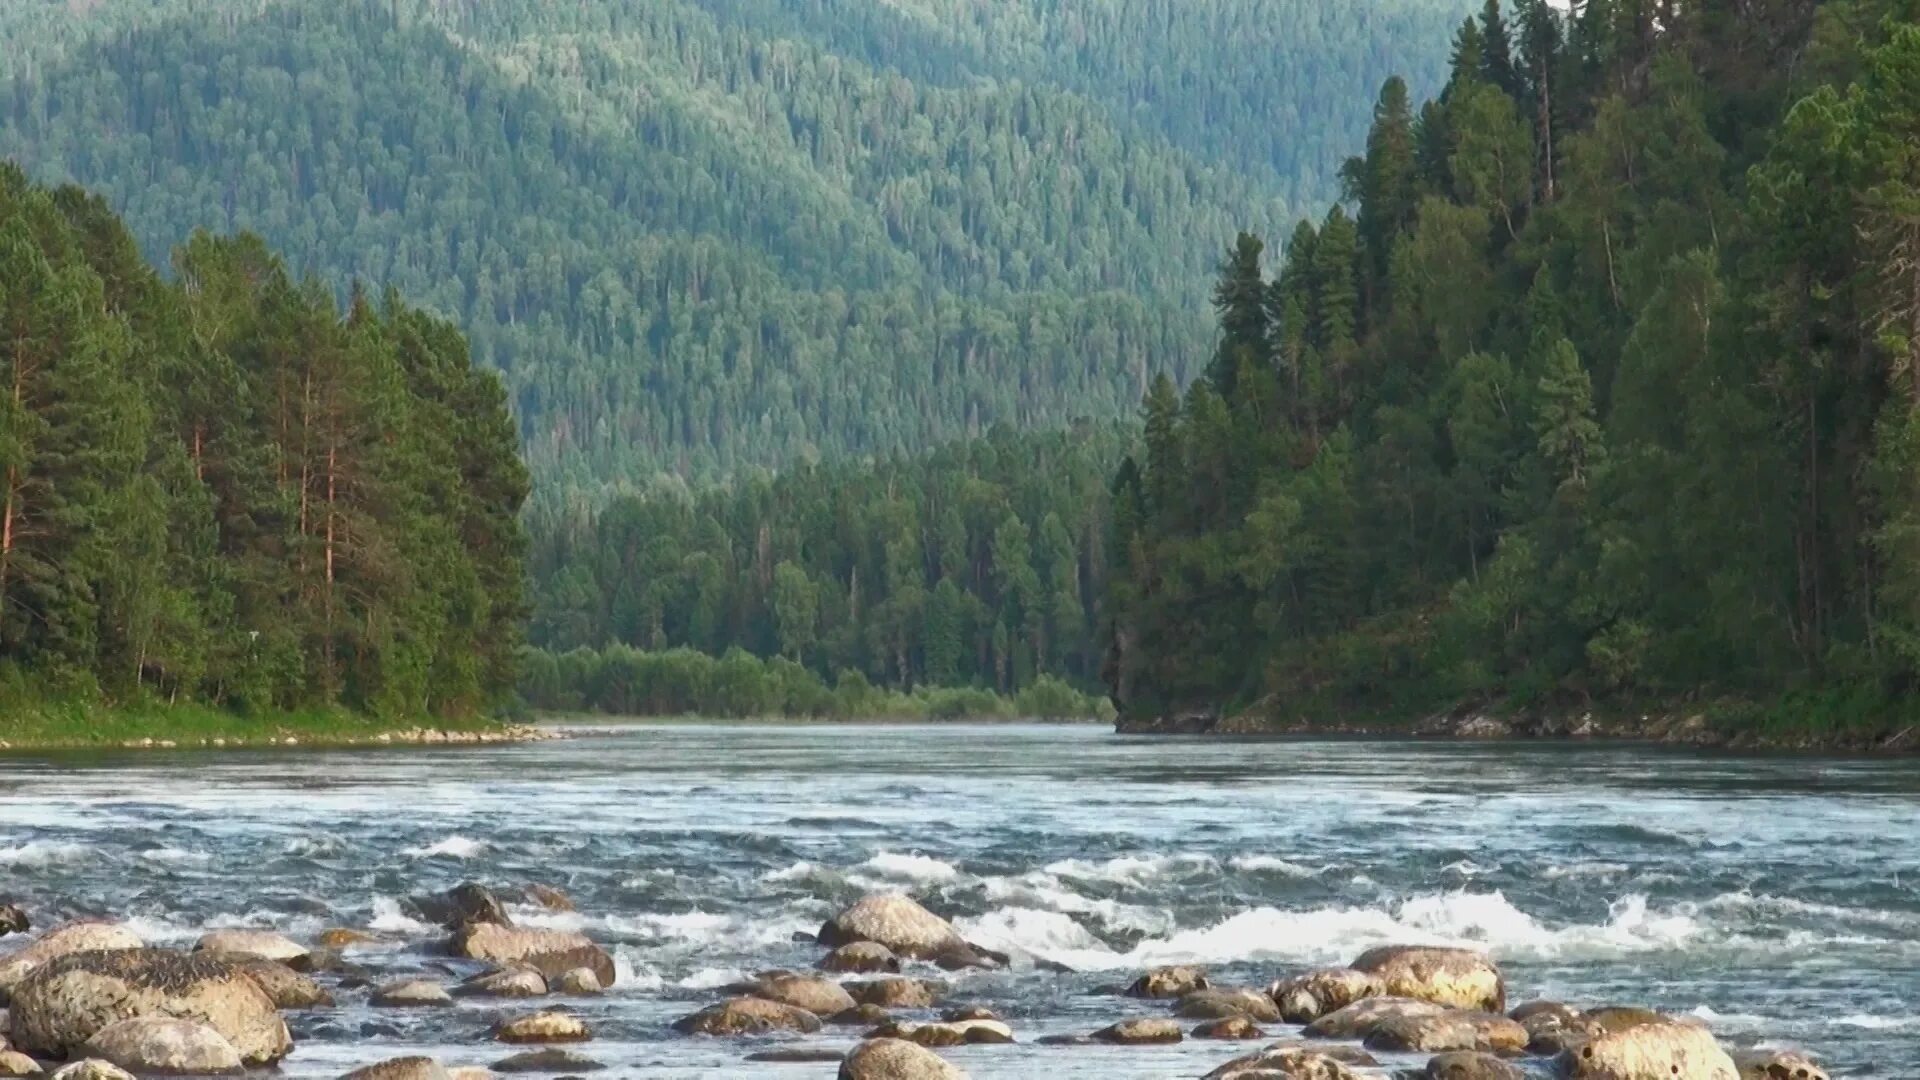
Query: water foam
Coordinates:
[911,868]
[44,855]
[1272,864]
[1131,871]
[390,918]
[452,847]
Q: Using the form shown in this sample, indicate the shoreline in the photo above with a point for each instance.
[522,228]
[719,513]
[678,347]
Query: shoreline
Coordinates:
[1693,728]
[48,729]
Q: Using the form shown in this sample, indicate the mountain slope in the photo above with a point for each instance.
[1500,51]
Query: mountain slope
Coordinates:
[690,240]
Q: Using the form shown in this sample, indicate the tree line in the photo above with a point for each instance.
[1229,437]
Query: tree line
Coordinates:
[1601,381]
[223,488]
[979,564]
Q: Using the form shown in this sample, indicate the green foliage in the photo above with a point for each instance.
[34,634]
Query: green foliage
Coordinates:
[1627,408]
[697,236]
[622,681]
[226,491]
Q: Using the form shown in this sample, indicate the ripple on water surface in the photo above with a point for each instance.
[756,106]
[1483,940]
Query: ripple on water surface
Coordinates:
[1772,898]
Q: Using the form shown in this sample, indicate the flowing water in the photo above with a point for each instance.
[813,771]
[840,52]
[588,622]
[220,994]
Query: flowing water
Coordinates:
[1777,898]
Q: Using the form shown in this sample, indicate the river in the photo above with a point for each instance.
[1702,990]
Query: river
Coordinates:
[1776,898]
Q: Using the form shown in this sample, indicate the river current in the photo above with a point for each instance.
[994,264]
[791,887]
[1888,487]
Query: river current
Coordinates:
[1776,898]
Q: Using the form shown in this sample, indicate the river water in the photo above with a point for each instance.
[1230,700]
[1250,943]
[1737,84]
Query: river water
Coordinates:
[1777,898]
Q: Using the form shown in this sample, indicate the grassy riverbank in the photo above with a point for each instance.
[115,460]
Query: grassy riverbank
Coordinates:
[76,725]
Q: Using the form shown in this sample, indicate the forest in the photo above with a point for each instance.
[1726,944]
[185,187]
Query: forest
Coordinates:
[1601,383]
[701,236]
[223,489]
[978,564]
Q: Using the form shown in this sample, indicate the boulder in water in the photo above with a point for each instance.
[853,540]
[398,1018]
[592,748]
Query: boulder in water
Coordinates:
[402,1068]
[163,1046]
[1777,1065]
[747,1016]
[15,1063]
[507,982]
[67,1001]
[898,993]
[340,937]
[1141,1030]
[960,1013]
[861,1016]
[1471,1065]
[1216,1002]
[551,1060]
[1229,1027]
[13,920]
[1293,1061]
[904,927]
[1169,982]
[1457,978]
[1660,1050]
[577,982]
[896,1059]
[549,897]
[821,997]
[1453,1029]
[466,904]
[542,1027]
[60,941]
[1358,1020]
[259,944]
[955,1033]
[1551,1026]
[288,988]
[92,1069]
[411,994]
[550,952]
[861,957]
[798,1055]
[1309,996]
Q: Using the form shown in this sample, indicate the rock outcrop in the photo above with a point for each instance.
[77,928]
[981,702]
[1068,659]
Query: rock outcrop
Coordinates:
[60,941]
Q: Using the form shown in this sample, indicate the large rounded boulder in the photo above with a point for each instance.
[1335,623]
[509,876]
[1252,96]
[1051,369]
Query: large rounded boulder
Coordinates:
[821,997]
[288,988]
[1659,1050]
[163,1046]
[466,904]
[66,1002]
[1216,1002]
[1358,1020]
[259,944]
[1457,978]
[61,941]
[904,927]
[1169,982]
[1471,1065]
[1778,1065]
[1291,1061]
[1453,1029]
[1309,996]
[403,1068]
[747,1016]
[861,958]
[896,1059]
[552,953]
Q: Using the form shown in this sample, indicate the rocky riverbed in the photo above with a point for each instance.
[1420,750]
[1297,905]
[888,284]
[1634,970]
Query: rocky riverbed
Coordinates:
[91,1001]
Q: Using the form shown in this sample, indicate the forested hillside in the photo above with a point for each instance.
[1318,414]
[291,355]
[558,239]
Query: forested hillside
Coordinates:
[701,235]
[1605,384]
[979,564]
[225,490]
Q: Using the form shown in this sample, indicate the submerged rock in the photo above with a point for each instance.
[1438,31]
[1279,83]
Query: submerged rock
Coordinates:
[551,1060]
[403,1068]
[340,937]
[66,1002]
[258,944]
[549,897]
[968,1012]
[1453,1029]
[164,1046]
[1777,1065]
[61,941]
[1661,1050]
[510,982]
[1358,1020]
[747,1016]
[896,1059]
[861,1016]
[1551,1026]
[1229,1027]
[466,904]
[861,957]
[1292,1061]
[798,1055]
[1219,1001]
[1459,978]
[1145,1029]
[542,1027]
[1169,982]
[955,1033]
[550,952]
[411,994]
[898,993]
[1309,996]
[821,997]
[1471,1065]
[904,927]
[13,920]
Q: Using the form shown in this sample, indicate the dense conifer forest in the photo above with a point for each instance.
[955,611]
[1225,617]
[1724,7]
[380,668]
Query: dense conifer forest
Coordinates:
[701,235]
[222,489]
[1601,383]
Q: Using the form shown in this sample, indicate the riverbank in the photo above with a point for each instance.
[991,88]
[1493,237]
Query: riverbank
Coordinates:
[1715,725]
[54,726]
